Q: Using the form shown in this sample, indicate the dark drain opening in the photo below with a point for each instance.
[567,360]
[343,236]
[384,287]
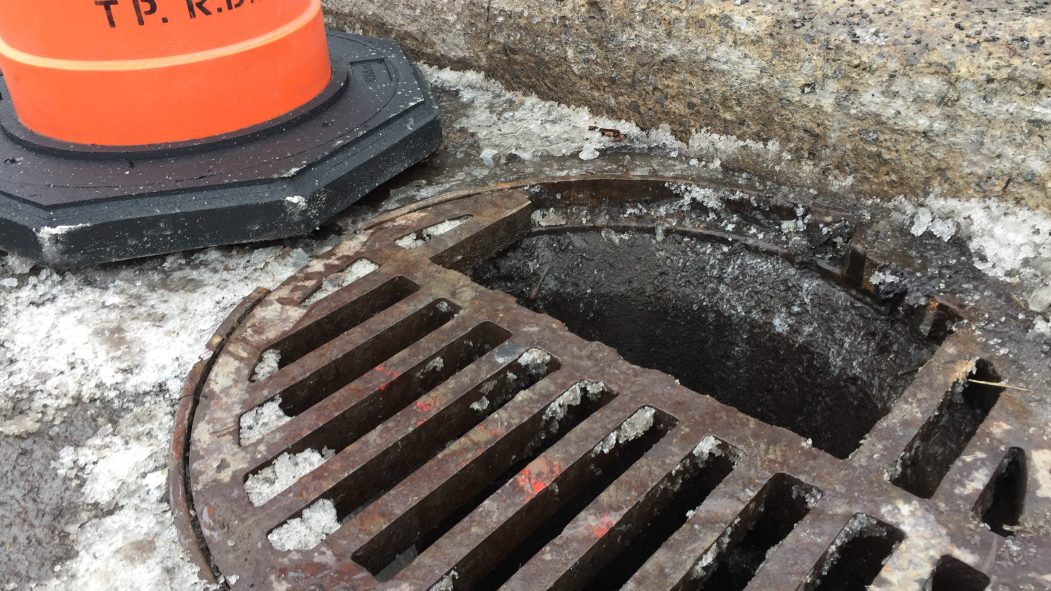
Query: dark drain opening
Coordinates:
[452,419]
[450,423]
[425,469]
[395,548]
[953,575]
[338,321]
[856,557]
[761,527]
[774,340]
[556,506]
[929,456]
[1002,502]
[373,410]
[354,363]
[692,482]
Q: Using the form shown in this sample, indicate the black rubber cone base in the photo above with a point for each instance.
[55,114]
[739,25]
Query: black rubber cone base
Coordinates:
[71,205]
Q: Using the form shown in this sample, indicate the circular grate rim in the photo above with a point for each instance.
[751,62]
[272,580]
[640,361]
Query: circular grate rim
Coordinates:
[407,466]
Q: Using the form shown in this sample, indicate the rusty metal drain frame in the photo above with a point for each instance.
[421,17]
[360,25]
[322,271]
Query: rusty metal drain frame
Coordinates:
[951,364]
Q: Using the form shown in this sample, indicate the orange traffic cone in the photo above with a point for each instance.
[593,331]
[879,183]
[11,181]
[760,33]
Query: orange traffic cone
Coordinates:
[138,127]
[133,72]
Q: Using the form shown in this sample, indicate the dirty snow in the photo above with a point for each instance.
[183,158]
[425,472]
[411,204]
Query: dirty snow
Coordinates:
[125,532]
[548,217]
[589,152]
[295,202]
[704,196]
[1040,300]
[125,336]
[710,446]
[359,270]
[50,238]
[704,563]
[268,365]
[285,471]
[260,421]
[569,399]
[447,583]
[925,221]
[18,265]
[1008,242]
[122,337]
[1042,470]
[1042,327]
[507,123]
[636,426]
[114,334]
[884,278]
[534,361]
[436,364]
[317,523]
[418,239]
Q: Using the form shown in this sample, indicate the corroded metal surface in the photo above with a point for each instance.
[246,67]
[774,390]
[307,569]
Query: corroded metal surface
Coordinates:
[475,443]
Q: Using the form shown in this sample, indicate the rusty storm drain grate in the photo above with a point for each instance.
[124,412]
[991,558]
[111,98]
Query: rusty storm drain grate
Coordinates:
[457,399]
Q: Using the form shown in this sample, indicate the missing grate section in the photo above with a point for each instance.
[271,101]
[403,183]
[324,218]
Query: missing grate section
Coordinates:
[447,423]
[428,521]
[688,486]
[740,552]
[413,463]
[557,504]
[302,341]
[856,557]
[371,411]
[953,575]
[750,329]
[356,362]
[939,443]
[1001,504]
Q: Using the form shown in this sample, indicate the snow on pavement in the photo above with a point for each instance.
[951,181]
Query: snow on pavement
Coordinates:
[125,336]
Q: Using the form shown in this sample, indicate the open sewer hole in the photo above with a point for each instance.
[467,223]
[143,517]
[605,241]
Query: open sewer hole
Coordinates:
[404,427]
[776,341]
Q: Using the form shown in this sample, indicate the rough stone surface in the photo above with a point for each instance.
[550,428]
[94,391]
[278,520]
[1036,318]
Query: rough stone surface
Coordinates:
[907,97]
[92,360]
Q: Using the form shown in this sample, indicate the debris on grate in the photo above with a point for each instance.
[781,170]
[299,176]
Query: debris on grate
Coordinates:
[332,284]
[601,383]
[418,239]
[268,365]
[267,483]
[308,530]
[258,422]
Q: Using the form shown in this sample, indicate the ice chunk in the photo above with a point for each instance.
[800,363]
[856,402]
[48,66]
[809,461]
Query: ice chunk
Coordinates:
[260,421]
[1040,301]
[636,426]
[336,282]
[317,523]
[420,238]
[268,365]
[285,471]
